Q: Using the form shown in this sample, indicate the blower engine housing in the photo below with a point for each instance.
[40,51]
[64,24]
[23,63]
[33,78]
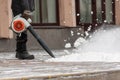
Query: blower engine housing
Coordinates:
[19,24]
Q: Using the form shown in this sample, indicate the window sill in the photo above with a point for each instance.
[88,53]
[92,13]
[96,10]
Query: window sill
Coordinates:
[53,27]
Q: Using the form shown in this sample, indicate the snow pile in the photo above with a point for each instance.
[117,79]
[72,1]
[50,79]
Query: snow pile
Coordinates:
[104,46]
[68,45]
[79,42]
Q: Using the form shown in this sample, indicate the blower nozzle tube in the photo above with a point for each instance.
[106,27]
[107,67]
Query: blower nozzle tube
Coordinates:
[40,41]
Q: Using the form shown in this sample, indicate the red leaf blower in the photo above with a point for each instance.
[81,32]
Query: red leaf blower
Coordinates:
[20,24]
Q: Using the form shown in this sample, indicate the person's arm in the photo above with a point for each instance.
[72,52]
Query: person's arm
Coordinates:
[26,8]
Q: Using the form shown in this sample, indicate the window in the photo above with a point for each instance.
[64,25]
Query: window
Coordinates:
[46,12]
[95,12]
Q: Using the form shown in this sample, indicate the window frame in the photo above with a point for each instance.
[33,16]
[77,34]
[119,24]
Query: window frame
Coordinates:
[94,9]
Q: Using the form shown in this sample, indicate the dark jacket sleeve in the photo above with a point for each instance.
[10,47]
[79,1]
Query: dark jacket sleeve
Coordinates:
[25,4]
[28,5]
[18,6]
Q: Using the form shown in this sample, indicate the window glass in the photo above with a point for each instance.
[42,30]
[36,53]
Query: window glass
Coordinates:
[36,16]
[48,11]
[45,11]
[99,11]
[109,12]
[85,11]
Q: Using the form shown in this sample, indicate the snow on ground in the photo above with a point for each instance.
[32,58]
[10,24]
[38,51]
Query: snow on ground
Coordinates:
[104,46]
[88,57]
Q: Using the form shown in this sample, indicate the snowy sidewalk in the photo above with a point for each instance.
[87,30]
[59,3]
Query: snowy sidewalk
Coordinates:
[38,69]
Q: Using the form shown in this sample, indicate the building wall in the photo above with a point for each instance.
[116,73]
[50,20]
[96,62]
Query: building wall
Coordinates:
[55,38]
[66,9]
[5,18]
[117,11]
[67,13]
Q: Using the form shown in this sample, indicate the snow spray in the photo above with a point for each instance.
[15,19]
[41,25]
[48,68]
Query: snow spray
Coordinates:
[103,46]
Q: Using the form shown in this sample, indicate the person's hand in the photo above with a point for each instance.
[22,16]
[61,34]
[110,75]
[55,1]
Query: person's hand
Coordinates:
[27,14]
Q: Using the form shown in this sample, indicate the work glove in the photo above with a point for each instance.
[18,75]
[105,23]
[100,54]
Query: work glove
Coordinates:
[27,14]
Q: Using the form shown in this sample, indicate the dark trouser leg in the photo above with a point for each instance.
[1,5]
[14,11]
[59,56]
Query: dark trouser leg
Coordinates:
[21,50]
[21,42]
